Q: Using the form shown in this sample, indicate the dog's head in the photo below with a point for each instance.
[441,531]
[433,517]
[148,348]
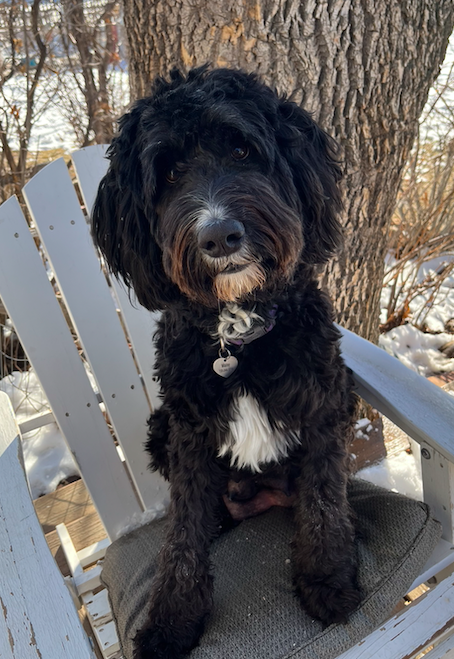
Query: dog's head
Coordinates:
[217,190]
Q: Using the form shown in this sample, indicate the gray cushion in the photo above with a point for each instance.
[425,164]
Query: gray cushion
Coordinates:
[255,612]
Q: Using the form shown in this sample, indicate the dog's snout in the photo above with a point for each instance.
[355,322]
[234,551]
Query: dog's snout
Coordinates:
[221,237]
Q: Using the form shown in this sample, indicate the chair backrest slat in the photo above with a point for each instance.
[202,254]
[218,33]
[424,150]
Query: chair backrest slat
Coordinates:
[43,331]
[141,326]
[90,166]
[63,230]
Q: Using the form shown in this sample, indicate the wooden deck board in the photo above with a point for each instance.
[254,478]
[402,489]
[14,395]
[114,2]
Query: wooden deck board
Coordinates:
[72,506]
[368,448]
[66,504]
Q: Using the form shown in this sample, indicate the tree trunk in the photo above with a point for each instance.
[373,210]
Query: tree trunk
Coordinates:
[362,67]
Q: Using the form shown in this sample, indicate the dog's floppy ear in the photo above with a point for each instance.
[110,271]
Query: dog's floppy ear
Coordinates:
[122,225]
[311,155]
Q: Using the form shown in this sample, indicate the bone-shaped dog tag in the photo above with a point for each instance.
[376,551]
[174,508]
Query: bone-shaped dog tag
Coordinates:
[225,366]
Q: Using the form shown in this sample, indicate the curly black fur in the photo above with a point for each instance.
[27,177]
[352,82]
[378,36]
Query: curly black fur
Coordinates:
[211,148]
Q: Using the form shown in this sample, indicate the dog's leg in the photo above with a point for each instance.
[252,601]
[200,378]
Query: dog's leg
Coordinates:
[324,552]
[157,444]
[182,591]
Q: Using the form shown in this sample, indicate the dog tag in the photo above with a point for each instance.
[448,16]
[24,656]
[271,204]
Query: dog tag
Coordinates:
[224,366]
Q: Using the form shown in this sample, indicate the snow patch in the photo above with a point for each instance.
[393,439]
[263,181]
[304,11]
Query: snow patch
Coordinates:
[140,519]
[53,119]
[363,425]
[399,473]
[417,350]
[48,461]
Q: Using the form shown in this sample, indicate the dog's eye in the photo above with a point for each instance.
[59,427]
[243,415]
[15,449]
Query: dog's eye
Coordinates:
[240,152]
[172,176]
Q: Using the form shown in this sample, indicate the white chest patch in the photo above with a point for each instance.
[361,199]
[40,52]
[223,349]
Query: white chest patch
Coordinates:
[252,441]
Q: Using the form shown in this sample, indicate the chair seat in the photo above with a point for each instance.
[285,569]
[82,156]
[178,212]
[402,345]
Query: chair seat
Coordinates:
[256,613]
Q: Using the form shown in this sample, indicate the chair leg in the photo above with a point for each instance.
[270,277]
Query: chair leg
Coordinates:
[84,583]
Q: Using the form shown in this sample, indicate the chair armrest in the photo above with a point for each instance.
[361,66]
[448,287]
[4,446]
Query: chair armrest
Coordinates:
[37,615]
[420,408]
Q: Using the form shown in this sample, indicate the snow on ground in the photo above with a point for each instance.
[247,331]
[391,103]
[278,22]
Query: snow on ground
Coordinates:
[52,129]
[399,473]
[47,458]
[416,349]
[59,104]
[443,309]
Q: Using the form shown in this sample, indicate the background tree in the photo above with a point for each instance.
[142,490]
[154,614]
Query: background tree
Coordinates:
[63,54]
[91,55]
[419,265]
[28,52]
[362,67]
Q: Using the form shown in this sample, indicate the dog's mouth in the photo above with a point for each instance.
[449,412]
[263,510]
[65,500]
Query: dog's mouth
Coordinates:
[229,265]
[233,268]
[238,280]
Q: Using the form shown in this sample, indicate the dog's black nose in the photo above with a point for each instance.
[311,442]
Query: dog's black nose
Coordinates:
[221,237]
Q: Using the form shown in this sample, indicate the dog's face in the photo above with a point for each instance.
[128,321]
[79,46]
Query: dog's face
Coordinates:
[217,190]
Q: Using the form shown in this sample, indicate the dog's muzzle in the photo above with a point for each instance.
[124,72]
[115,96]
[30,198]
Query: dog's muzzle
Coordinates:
[228,238]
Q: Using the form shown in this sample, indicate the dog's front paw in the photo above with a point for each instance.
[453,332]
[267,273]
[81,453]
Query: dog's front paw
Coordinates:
[330,600]
[166,642]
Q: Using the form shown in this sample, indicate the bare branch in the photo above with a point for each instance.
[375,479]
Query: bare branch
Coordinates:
[31,90]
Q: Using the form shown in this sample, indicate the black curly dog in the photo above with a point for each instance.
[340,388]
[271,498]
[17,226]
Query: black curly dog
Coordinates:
[219,205]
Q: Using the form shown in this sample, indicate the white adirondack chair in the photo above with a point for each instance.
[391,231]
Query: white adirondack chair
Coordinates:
[38,616]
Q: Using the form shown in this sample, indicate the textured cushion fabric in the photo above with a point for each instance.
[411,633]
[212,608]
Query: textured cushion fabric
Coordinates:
[255,612]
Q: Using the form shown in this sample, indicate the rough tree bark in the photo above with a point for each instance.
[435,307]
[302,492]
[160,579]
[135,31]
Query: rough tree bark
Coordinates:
[362,67]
